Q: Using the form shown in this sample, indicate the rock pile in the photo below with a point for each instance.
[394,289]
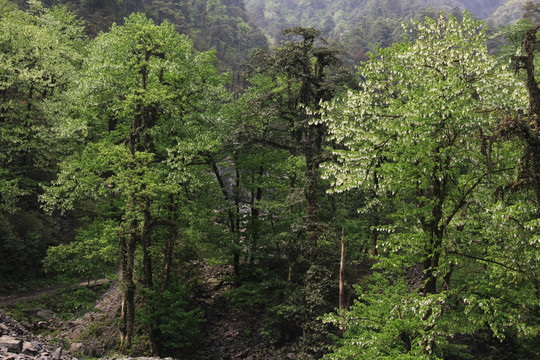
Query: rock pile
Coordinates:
[16,343]
[135,358]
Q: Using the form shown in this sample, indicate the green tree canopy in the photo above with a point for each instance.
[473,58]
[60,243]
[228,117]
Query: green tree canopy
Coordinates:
[421,121]
[40,54]
[148,100]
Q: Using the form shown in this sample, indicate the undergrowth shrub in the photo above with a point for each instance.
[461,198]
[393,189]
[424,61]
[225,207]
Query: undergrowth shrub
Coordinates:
[173,322]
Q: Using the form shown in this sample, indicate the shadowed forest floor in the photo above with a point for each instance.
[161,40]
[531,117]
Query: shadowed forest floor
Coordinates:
[228,331]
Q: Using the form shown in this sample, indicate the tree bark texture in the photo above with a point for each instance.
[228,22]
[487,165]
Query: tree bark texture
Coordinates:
[342,271]
[127,323]
[531,131]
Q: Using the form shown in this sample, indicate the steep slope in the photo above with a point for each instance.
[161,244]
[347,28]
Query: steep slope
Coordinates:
[509,12]
[339,18]
[223,25]
[482,8]
[230,331]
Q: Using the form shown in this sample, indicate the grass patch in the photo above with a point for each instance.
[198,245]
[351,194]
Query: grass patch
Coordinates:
[66,304]
[93,330]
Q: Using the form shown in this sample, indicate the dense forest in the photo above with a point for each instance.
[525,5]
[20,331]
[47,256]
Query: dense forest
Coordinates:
[363,23]
[390,211]
[220,25]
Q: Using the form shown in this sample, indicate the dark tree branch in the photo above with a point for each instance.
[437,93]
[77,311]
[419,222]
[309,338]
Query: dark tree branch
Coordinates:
[486,260]
[462,200]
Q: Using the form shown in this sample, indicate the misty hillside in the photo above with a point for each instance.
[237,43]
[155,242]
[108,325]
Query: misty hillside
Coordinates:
[235,27]
[379,19]
[220,25]
[481,8]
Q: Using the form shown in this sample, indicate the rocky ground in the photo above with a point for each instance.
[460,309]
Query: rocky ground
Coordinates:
[17,343]
[229,332]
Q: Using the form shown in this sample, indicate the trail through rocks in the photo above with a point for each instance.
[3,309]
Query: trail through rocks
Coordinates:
[49,290]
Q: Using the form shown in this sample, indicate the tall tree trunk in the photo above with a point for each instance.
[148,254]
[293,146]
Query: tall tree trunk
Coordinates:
[146,241]
[376,221]
[530,133]
[169,248]
[233,216]
[313,156]
[236,252]
[431,265]
[374,237]
[128,288]
[342,271]
[433,228]
[256,197]
[122,326]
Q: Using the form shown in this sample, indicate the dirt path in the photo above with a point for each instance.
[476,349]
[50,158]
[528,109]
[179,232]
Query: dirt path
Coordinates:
[49,290]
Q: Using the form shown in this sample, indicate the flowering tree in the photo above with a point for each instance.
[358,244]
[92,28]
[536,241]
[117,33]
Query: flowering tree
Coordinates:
[423,121]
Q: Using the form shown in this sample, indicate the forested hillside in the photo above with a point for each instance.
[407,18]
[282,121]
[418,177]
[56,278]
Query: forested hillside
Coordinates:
[309,211]
[360,24]
[509,11]
[212,24]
